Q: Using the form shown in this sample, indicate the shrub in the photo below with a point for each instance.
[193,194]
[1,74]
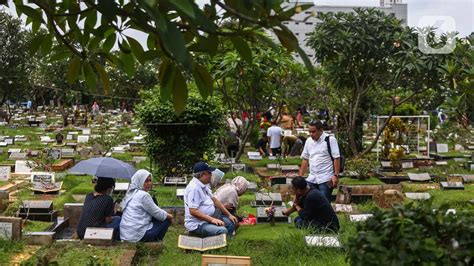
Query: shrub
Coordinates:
[414,234]
[362,167]
[176,142]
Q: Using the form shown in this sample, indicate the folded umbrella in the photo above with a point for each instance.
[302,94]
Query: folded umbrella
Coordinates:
[104,167]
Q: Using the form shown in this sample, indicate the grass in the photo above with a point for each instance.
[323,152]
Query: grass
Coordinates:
[8,249]
[36,226]
[353,181]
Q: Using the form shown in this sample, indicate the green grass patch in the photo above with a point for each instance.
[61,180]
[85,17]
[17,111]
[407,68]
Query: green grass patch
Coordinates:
[353,181]
[456,199]
[7,249]
[36,226]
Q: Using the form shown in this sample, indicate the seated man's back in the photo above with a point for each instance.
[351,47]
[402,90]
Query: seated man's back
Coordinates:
[317,211]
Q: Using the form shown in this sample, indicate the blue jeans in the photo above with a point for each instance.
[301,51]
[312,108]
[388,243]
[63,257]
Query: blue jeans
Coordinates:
[207,229]
[157,232]
[323,188]
[115,224]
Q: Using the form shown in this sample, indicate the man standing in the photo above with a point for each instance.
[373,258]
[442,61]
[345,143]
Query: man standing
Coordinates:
[274,133]
[200,215]
[323,171]
[314,210]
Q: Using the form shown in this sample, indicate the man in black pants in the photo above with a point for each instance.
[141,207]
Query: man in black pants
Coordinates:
[314,210]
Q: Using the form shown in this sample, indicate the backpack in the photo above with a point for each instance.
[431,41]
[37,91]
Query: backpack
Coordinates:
[342,160]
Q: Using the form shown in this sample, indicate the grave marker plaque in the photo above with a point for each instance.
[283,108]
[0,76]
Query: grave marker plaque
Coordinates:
[268,198]
[255,157]
[290,168]
[343,208]
[407,165]
[6,231]
[442,147]
[262,216]
[86,131]
[322,241]
[252,187]
[9,141]
[238,167]
[452,186]
[418,196]
[273,166]
[3,144]
[386,164]
[21,167]
[17,155]
[67,153]
[180,193]
[440,163]
[55,154]
[5,173]
[422,177]
[69,137]
[253,153]
[10,151]
[98,236]
[202,244]
[121,187]
[43,177]
[175,181]
[359,217]
[82,139]
[139,159]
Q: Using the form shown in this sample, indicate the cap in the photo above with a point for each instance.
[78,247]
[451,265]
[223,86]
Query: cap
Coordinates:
[202,166]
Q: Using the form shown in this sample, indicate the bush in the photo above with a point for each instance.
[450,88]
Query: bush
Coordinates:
[362,167]
[414,234]
[176,142]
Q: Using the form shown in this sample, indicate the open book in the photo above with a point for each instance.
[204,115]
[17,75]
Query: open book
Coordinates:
[202,244]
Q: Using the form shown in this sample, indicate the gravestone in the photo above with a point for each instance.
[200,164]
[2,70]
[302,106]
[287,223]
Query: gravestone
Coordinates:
[421,177]
[176,181]
[386,164]
[290,168]
[432,146]
[255,157]
[38,210]
[347,208]
[98,236]
[468,178]
[34,153]
[287,133]
[84,153]
[10,151]
[273,166]
[72,211]
[121,187]
[3,144]
[46,188]
[452,185]
[10,222]
[417,196]
[55,154]
[252,187]
[180,193]
[359,217]
[67,153]
[238,167]
[253,153]
[275,180]
[407,165]
[139,159]
[17,155]
[322,241]
[21,167]
[441,163]
[9,141]
[69,137]
[43,177]
[267,199]
[97,149]
[441,148]
[262,216]
[5,172]
[86,131]
[458,147]
[118,149]
[82,139]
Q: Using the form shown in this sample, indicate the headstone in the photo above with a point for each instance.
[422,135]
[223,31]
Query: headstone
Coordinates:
[175,181]
[468,178]
[5,173]
[82,139]
[59,138]
[290,168]
[21,167]
[69,137]
[9,141]
[359,217]
[98,236]
[180,193]
[6,231]
[86,131]
[238,167]
[55,154]
[287,133]
[139,159]
[322,241]
[267,199]
[421,177]
[17,156]
[273,166]
[441,147]
[407,165]
[202,244]
[118,149]
[255,157]
[97,149]
[386,164]
[43,177]
[10,151]
[73,212]
[38,210]
[16,224]
[121,187]
[452,185]
[262,216]
[3,144]
[253,153]
[252,187]
[84,153]
[67,153]
[276,180]
[271,157]
[417,196]
[441,163]
[458,147]
[343,208]
[45,187]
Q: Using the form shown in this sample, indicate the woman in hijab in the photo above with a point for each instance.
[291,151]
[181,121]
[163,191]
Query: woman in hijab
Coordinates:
[216,178]
[229,194]
[98,209]
[142,219]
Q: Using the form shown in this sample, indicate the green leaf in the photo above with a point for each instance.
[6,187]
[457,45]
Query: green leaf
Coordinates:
[104,77]
[243,48]
[91,19]
[180,92]
[46,45]
[287,39]
[109,42]
[185,7]
[35,26]
[73,70]
[203,80]
[36,43]
[127,62]
[150,42]
[30,12]
[60,55]
[108,8]
[137,49]
[89,75]
[150,55]
[166,76]
[306,61]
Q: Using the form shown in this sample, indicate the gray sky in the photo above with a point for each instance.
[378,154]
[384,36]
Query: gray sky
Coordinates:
[458,14]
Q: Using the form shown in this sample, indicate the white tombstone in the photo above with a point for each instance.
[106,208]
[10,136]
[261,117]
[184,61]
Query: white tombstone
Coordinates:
[458,147]
[407,165]
[359,217]
[419,177]
[43,177]
[417,196]
[5,173]
[441,147]
[6,230]
[21,167]
[86,131]
[82,139]
[322,241]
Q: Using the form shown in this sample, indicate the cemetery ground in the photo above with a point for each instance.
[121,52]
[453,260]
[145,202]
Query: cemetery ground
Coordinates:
[281,244]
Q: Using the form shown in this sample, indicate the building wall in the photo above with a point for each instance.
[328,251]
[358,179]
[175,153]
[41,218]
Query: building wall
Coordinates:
[302,29]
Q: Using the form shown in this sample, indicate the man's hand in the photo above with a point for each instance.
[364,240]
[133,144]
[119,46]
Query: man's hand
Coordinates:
[217,222]
[233,218]
[169,216]
[288,211]
[334,180]
[228,205]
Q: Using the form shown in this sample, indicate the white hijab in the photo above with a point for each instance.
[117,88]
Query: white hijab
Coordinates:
[138,180]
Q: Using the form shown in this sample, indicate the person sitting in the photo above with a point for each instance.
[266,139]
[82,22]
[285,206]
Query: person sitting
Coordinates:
[314,210]
[142,219]
[200,215]
[98,209]
[262,145]
[229,194]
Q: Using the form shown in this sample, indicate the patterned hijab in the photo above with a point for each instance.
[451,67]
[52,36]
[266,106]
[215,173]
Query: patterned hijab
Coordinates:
[138,180]
[216,178]
[240,183]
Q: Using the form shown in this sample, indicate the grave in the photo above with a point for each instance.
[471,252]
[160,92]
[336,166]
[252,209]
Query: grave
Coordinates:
[139,159]
[17,156]
[10,228]
[98,236]
[322,241]
[21,167]
[10,151]
[39,238]
[266,199]
[452,185]
[175,181]
[273,166]
[262,216]
[121,187]
[44,177]
[67,153]
[290,168]
[212,260]
[72,212]
[59,139]
[5,172]
[407,165]
[417,196]
[441,163]
[255,157]
[441,148]
[9,141]
[55,154]
[238,167]
[252,187]
[421,177]
[467,178]
[38,210]
[359,217]
[84,153]
[62,165]
[46,188]
[82,139]
[177,212]
[346,208]
[275,180]
[3,144]
[202,244]
[180,193]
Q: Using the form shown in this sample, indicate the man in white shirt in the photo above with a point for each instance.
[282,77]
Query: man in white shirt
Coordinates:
[323,171]
[200,215]
[234,123]
[274,133]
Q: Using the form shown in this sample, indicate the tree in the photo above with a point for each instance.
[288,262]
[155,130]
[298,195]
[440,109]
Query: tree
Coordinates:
[14,59]
[367,54]
[87,30]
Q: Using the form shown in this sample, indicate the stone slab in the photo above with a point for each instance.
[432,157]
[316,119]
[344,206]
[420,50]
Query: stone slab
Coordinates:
[98,236]
[417,196]
[15,225]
